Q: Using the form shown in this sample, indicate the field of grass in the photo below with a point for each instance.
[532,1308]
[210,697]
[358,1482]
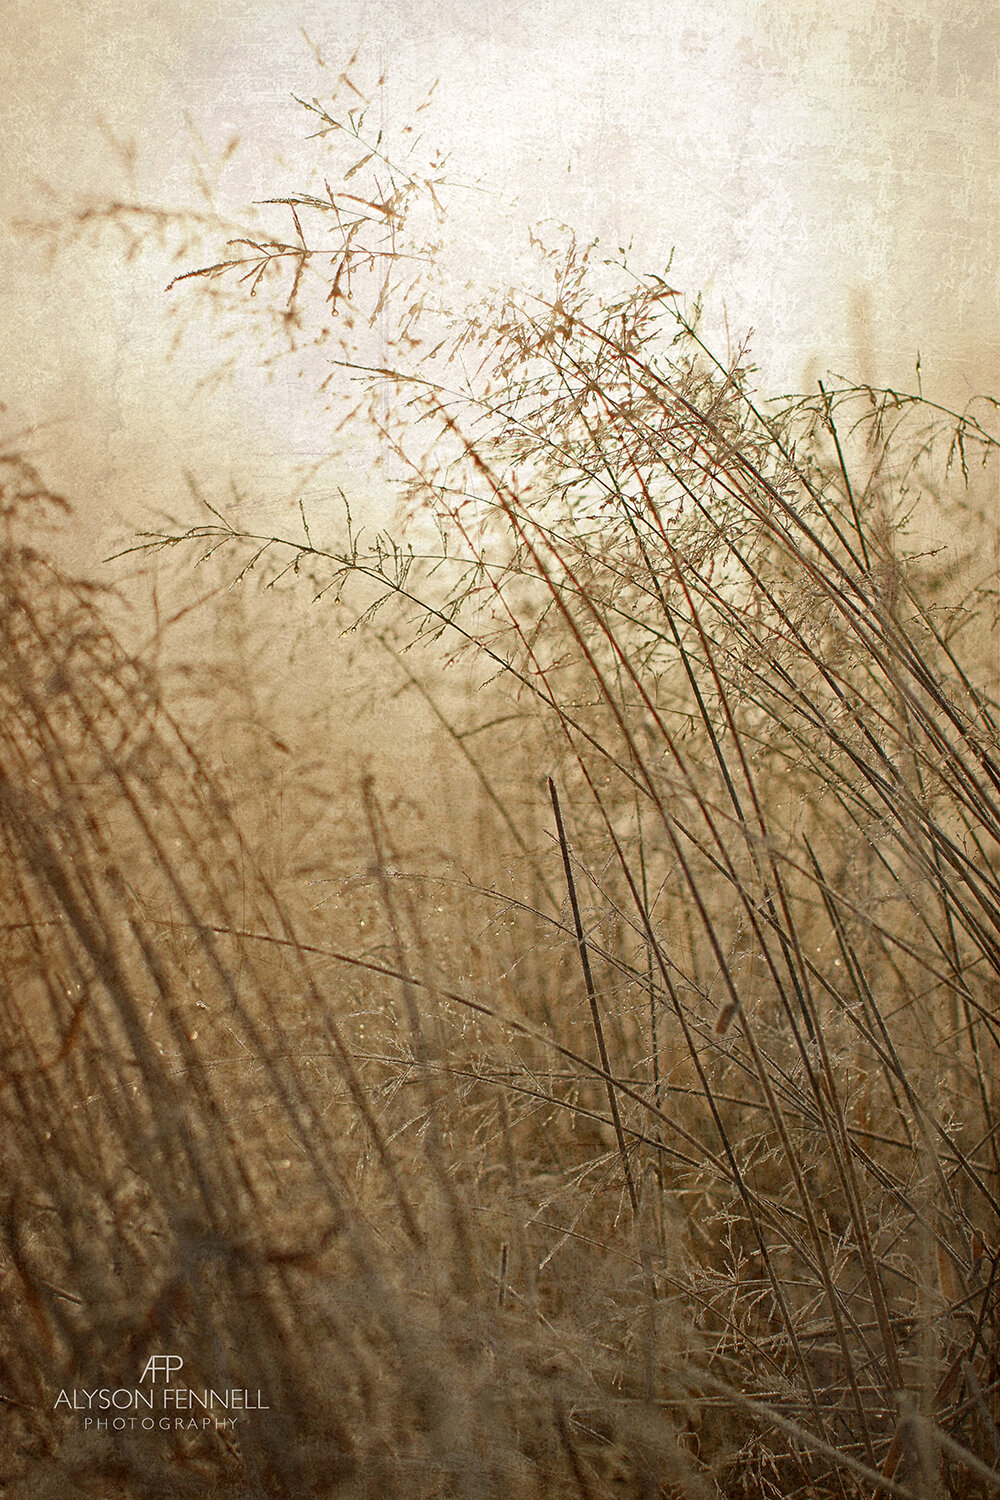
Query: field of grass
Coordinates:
[602,1103]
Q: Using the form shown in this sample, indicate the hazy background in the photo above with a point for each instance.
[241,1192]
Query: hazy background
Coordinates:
[829,175]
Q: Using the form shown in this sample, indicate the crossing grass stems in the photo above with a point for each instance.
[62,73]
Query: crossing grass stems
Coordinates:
[643,1143]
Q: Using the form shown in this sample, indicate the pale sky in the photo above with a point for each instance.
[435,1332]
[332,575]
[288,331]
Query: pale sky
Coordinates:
[829,175]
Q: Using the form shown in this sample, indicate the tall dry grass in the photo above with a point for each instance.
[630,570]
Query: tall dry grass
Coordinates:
[649,1145]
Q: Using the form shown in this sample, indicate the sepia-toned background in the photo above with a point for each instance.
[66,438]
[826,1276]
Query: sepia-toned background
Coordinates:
[827,175]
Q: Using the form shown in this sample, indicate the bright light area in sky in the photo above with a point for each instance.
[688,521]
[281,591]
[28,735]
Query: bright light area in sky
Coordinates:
[829,176]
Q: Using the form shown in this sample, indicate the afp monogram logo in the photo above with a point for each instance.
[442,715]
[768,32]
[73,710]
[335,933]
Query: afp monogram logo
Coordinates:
[165,1364]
